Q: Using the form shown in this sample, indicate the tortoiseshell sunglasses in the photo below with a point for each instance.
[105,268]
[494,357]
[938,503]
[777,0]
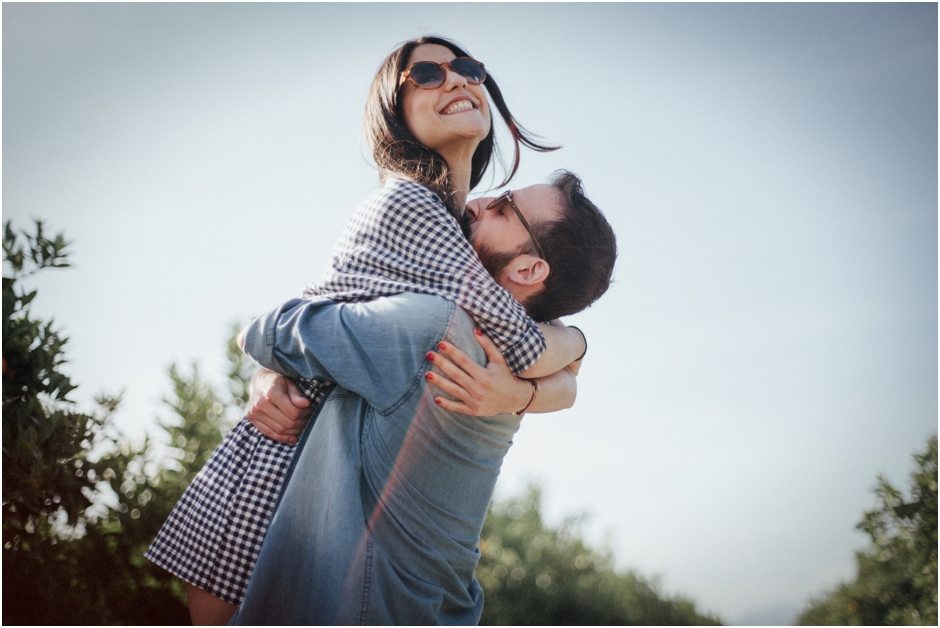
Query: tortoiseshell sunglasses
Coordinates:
[430,75]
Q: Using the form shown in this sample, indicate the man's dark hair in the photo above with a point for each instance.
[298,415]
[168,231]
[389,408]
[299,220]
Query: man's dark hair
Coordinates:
[581,250]
[397,152]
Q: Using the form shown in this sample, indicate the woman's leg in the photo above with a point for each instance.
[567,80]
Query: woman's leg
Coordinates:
[206,609]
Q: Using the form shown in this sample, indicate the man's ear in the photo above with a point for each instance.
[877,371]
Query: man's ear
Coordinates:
[527,270]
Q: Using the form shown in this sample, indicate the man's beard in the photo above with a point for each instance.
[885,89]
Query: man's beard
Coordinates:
[493,261]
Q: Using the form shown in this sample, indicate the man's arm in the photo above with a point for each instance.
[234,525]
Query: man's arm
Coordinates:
[375,349]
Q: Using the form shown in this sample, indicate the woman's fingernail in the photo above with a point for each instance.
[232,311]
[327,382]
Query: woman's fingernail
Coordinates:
[478,332]
[429,376]
[430,356]
[441,346]
[437,401]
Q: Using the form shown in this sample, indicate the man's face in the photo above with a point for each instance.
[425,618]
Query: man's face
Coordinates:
[497,235]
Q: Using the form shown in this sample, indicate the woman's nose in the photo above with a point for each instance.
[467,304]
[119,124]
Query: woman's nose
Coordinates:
[453,79]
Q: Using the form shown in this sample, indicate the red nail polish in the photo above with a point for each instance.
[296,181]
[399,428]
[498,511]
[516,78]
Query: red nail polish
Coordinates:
[441,346]
[437,401]
[478,332]
[430,356]
[428,376]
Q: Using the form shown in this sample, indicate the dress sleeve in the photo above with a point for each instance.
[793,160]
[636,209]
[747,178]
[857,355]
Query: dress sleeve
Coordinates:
[407,241]
[495,310]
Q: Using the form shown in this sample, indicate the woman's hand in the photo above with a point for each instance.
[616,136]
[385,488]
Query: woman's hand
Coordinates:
[277,407]
[481,391]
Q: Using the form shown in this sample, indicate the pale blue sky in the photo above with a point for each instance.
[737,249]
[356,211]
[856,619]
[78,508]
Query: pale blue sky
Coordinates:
[769,344]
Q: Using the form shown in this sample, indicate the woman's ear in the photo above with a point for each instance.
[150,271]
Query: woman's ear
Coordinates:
[527,270]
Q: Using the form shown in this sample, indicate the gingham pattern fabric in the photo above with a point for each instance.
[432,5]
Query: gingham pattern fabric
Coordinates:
[213,537]
[403,239]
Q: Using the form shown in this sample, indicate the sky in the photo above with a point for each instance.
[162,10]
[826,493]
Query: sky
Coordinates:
[767,348]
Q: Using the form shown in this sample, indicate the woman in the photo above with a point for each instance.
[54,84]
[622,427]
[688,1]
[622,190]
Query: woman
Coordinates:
[428,122]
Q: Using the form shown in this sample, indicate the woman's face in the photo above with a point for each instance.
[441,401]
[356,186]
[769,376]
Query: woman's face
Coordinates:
[452,117]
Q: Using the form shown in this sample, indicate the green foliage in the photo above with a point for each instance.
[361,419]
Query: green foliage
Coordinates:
[96,573]
[200,431]
[534,575]
[241,369]
[897,575]
[76,523]
[43,436]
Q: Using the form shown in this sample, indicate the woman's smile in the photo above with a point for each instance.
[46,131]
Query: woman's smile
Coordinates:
[461,104]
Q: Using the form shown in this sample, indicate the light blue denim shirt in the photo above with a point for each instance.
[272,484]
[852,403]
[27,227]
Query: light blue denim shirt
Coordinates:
[381,518]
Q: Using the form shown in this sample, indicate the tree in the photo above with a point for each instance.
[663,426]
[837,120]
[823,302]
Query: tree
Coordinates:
[46,490]
[532,574]
[44,438]
[896,582]
[75,525]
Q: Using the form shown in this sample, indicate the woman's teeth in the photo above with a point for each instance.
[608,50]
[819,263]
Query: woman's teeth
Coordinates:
[460,105]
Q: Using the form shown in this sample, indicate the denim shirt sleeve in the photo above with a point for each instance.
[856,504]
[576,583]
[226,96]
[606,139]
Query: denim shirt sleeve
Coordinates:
[376,348]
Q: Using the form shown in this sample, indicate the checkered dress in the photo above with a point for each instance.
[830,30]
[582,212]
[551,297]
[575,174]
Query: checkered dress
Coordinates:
[213,537]
[401,239]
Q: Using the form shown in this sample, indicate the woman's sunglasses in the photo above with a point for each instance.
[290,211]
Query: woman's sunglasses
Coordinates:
[430,75]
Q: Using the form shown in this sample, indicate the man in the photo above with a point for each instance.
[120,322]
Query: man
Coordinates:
[383,523]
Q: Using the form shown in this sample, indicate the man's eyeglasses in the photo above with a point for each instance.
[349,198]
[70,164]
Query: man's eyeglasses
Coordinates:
[430,75]
[506,197]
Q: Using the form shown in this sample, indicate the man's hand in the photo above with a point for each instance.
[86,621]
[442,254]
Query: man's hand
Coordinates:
[277,407]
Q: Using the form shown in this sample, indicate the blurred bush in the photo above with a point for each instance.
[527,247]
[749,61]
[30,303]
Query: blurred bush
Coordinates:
[896,583]
[532,574]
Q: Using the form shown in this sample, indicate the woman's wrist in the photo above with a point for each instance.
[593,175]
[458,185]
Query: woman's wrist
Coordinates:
[583,340]
[522,393]
[535,392]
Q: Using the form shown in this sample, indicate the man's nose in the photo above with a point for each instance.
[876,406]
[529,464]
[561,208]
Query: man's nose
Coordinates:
[476,207]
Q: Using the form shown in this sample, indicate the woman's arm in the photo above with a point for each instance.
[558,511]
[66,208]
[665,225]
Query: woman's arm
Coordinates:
[563,345]
[556,392]
[493,389]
